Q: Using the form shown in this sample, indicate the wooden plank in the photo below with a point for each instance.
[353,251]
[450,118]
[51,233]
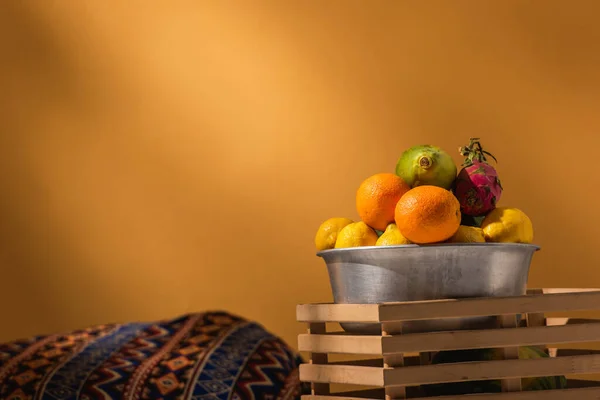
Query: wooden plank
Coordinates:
[329,312]
[378,394]
[452,308]
[571,321]
[337,313]
[536,319]
[367,394]
[483,370]
[318,358]
[393,361]
[377,362]
[480,339]
[592,393]
[567,290]
[577,394]
[342,344]
[451,340]
[353,375]
[509,353]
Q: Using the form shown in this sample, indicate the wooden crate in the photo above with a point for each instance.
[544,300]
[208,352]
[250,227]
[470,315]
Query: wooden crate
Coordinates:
[403,359]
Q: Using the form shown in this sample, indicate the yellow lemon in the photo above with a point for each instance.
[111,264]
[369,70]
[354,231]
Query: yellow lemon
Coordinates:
[467,234]
[392,236]
[507,225]
[328,232]
[355,235]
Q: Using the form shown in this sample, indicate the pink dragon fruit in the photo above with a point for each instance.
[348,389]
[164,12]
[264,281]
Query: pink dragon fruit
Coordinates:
[477,186]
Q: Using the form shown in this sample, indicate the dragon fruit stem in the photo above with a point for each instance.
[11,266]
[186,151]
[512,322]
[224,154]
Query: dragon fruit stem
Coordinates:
[474,151]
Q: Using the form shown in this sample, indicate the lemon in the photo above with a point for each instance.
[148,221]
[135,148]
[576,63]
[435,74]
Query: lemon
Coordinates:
[355,235]
[392,236]
[507,225]
[328,232]
[467,234]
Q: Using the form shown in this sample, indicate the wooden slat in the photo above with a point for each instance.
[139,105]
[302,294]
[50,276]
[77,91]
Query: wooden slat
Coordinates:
[480,339]
[539,319]
[554,300]
[483,370]
[353,375]
[554,352]
[337,313]
[592,393]
[536,319]
[342,344]
[564,394]
[376,362]
[393,361]
[369,394]
[452,340]
[508,353]
[421,310]
[566,290]
[318,358]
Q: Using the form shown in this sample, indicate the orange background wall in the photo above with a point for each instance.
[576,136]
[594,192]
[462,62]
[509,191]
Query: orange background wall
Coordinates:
[158,158]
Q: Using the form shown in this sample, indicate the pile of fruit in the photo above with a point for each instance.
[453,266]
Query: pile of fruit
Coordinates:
[428,201]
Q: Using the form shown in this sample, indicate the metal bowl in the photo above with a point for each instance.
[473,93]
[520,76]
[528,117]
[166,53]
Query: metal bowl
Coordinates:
[381,274]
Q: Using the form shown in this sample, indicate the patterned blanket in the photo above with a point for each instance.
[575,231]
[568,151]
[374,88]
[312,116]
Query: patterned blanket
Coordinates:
[213,355]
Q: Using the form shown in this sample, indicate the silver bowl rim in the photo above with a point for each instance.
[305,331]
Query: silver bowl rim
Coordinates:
[322,253]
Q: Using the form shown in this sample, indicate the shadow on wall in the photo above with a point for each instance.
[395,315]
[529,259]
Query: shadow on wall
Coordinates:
[35,63]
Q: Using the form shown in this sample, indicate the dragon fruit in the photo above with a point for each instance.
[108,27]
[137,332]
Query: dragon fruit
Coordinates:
[477,187]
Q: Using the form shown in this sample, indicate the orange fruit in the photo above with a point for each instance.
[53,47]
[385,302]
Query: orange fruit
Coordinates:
[376,199]
[428,214]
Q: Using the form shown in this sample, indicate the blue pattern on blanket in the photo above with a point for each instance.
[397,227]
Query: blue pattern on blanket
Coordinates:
[213,355]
